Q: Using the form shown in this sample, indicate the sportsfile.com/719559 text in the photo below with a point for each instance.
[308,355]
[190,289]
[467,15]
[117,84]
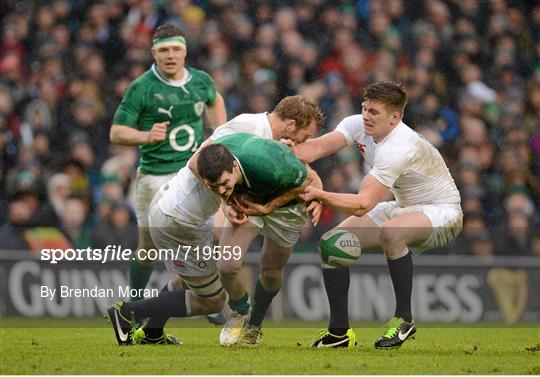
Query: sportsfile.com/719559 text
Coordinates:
[118,253]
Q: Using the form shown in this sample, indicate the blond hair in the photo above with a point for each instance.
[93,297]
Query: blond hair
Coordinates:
[301,109]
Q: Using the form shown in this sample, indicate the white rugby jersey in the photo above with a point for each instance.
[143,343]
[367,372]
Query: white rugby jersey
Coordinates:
[405,162]
[256,124]
[186,199]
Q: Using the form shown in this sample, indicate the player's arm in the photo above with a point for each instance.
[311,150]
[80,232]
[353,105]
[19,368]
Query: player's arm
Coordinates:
[129,136]
[255,209]
[192,163]
[291,194]
[124,129]
[370,193]
[216,112]
[314,149]
[315,206]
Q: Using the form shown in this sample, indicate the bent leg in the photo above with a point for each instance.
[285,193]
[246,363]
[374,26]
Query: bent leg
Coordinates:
[336,280]
[205,296]
[147,186]
[273,260]
[408,229]
[397,234]
[141,268]
[365,229]
[229,270]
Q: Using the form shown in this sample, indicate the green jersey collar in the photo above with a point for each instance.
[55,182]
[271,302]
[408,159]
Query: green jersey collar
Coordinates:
[176,83]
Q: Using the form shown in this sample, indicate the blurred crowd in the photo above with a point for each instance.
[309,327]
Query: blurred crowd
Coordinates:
[471,68]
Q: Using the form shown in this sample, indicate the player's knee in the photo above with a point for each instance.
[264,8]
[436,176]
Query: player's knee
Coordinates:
[271,277]
[387,235]
[228,269]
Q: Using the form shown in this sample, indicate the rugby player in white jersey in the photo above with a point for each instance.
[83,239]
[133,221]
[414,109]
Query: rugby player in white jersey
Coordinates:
[295,118]
[182,214]
[162,112]
[425,214]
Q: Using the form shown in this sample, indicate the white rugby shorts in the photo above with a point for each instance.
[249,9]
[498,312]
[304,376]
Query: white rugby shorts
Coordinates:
[283,226]
[446,220]
[187,242]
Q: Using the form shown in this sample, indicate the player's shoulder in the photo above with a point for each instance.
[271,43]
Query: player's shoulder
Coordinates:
[356,120]
[144,79]
[401,141]
[409,137]
[250,121]
[353,125]
[249,117]
[199,75]
[142,83]
[233,137]
[403,134]
[262,144]
[256,124]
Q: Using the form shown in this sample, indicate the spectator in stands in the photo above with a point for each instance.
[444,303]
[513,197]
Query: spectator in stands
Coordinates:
[471,70]
[482,245]
[12,232]
[118,229]
[73,223]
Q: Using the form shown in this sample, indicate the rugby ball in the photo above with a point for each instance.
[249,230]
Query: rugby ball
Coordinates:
[339,248]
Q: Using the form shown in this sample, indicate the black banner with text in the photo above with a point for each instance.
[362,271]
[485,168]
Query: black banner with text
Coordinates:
[446,289]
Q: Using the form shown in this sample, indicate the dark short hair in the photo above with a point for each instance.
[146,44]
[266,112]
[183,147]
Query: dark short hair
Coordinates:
[301,109]
[166,31]
[213,161]
[390,93]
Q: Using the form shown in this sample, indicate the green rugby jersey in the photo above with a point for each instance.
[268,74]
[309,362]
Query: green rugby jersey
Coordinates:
[151,99]
[269,167]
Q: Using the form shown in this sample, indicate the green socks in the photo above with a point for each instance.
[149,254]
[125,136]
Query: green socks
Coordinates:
[241,305]
[261,301]
[138,277]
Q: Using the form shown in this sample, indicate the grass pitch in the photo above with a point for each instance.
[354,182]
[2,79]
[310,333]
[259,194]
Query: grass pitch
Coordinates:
[89,348]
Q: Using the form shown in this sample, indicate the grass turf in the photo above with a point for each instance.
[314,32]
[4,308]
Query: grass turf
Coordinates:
[436,350]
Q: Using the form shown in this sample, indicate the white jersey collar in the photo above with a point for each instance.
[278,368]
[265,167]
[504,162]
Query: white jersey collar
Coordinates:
[176,83]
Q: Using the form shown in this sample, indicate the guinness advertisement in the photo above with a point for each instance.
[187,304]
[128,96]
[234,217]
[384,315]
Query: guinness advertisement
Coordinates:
[446,289]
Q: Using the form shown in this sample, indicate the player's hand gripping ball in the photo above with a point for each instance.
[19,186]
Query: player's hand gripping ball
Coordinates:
[339,248]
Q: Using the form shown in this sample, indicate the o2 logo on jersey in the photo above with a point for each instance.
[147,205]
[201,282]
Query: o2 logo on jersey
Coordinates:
[199,108]
[190,142]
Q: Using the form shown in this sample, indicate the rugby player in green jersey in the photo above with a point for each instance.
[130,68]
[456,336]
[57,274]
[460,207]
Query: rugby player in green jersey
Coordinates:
[182,213]
[162,113]
[295,118]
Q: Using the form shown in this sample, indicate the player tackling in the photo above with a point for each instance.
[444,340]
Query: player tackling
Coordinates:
[182,214]
[425,214]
